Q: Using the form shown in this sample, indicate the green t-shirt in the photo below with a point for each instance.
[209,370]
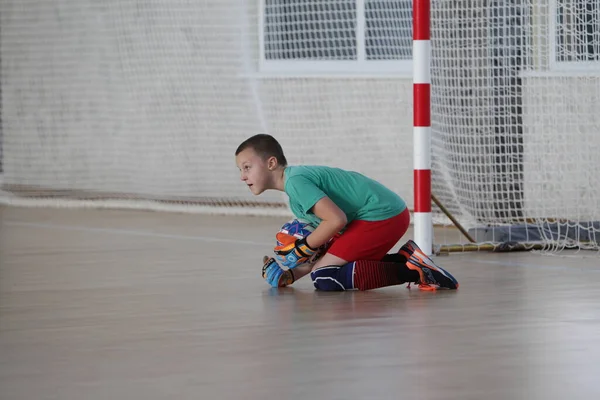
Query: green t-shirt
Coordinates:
[358,196]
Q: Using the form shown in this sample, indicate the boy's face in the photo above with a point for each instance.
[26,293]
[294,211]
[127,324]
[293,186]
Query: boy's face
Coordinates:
[254,171]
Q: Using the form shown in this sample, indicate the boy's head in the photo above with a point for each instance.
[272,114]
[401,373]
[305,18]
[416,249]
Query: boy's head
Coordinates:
[258,159]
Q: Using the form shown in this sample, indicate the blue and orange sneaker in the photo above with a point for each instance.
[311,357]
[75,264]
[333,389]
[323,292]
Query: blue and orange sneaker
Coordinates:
[432,277]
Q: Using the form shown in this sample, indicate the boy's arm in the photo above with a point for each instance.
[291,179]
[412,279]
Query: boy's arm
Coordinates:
[333,220]
[312,198]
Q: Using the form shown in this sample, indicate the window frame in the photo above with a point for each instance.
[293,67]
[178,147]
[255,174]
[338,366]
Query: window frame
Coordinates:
[555,64]
[359,67]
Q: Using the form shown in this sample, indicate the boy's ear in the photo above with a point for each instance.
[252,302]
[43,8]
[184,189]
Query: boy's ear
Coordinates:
[272,163]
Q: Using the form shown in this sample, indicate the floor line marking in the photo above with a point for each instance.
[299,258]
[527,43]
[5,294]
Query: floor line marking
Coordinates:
[129,232]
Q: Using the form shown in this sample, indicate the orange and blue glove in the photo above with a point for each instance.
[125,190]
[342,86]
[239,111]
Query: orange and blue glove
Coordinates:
[274,274]
[292,251]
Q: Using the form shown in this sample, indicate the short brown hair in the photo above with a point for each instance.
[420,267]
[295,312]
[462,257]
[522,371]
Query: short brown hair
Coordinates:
[265,146]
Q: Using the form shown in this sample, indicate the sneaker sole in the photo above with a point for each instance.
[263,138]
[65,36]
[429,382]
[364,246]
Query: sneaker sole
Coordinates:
[434,267]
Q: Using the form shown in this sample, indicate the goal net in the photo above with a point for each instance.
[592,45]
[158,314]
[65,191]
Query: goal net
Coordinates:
[141,104]
[515,109]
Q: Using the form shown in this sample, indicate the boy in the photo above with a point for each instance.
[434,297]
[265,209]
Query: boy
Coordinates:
[357,218]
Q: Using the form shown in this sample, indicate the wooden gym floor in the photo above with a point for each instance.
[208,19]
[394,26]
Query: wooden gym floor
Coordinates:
[98,304]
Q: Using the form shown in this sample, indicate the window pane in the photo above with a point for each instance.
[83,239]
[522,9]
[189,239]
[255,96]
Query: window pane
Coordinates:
[388,29]
[310,29]
[577,30]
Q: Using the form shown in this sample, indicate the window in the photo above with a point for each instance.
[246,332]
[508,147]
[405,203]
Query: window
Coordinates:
[336,36]
[576,34]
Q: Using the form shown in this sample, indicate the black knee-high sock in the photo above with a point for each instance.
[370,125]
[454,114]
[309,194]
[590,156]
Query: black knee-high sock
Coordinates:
[376,274]
[362,275]
[394,257]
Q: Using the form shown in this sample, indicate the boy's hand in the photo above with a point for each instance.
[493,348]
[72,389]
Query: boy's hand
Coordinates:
[292,252]
[274,275]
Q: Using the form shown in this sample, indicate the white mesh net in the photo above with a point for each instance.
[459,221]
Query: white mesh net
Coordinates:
[126,103]
[516,101]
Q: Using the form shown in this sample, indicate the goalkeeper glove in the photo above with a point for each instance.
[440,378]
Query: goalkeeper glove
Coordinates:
[292,252]
[274,275]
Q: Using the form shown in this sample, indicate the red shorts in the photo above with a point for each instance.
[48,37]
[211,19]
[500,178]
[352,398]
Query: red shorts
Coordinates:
[369,240]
